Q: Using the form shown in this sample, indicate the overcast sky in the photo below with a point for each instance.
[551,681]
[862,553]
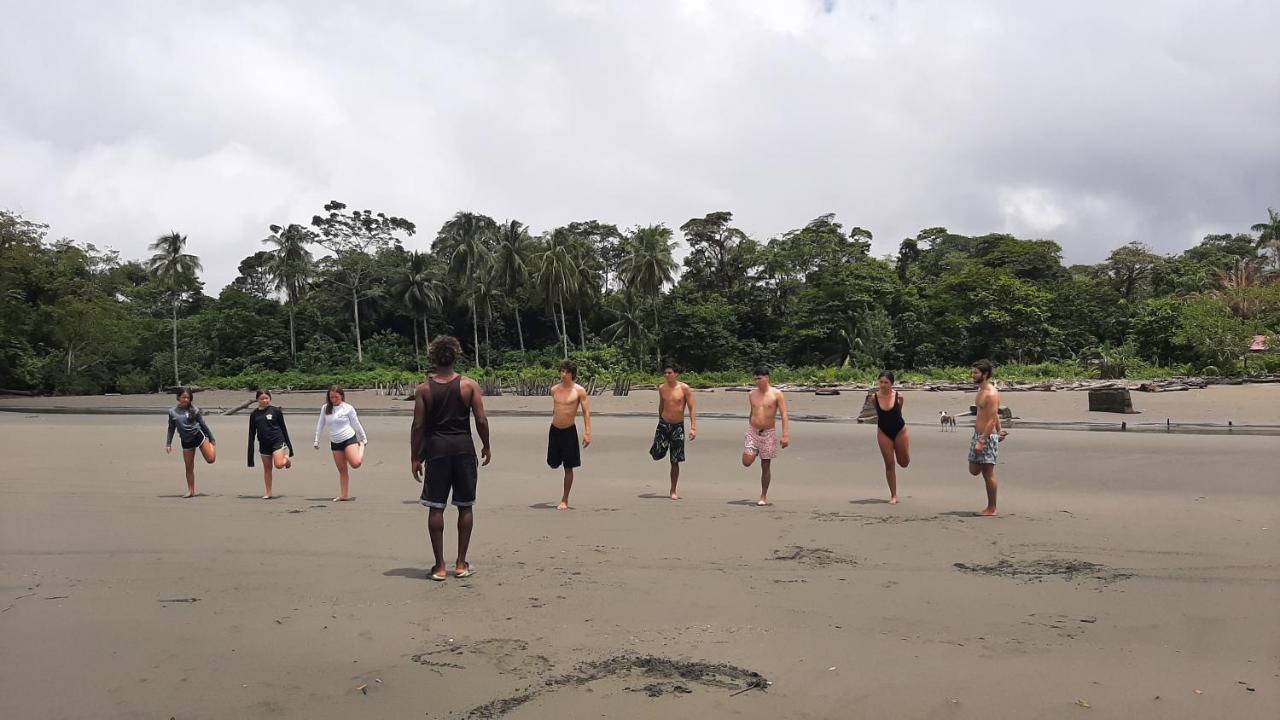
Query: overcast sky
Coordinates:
[1090,123]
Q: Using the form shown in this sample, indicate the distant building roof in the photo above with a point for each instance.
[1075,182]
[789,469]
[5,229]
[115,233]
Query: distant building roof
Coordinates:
[1259,344]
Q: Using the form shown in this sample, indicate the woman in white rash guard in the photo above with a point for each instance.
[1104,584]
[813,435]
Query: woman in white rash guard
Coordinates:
[346,438]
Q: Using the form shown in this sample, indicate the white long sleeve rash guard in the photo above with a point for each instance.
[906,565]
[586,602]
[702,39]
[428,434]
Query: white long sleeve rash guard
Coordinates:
[343,423]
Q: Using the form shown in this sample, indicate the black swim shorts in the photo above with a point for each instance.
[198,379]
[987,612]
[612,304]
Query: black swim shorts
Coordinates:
[562,447]
[456,474]
[340,446]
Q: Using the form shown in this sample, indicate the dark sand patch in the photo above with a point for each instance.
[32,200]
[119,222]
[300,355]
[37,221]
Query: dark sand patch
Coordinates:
[813,557]
[664,676]
[1038,570]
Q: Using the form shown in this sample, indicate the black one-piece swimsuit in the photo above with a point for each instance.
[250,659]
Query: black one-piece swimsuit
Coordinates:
[890,421]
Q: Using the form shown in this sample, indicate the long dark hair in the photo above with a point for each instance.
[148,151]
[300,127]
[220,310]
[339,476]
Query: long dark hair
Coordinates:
[887,375]
[259,393]
[192,410]
[328,400]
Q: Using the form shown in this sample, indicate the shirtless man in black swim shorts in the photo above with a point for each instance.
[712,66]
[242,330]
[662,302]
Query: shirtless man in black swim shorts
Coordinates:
[562,439]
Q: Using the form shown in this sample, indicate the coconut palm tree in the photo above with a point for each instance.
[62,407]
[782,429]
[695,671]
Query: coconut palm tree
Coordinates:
[628,329]
[647,267]
[173,269]
[1269,235]
[464,240]
[556,275]
[290,269]
[511,261]
[418,291]
[1235,286]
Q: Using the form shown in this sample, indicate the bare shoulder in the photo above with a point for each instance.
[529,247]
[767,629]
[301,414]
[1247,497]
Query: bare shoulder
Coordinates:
[777,395]
[579,390]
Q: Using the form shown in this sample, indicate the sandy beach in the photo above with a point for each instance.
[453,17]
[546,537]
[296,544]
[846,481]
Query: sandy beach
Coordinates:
[1128,576]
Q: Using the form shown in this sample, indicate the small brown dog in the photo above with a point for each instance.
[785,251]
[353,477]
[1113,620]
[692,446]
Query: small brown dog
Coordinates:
[948,422]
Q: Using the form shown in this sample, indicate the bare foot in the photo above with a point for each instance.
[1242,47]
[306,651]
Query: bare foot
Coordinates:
[288,463]
[564,505]
[674,496]
[189,495]
[988,512]
[762,502]
[342,498]
[893,500]
[268,497]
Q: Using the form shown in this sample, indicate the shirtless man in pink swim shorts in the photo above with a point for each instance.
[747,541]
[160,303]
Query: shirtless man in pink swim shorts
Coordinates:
[762,437]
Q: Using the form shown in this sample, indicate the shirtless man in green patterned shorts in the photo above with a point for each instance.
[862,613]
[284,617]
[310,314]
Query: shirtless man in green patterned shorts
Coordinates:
[673,397]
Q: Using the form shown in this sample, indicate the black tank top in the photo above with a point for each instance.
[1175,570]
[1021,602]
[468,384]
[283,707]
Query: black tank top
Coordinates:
[890,421]
[448,428]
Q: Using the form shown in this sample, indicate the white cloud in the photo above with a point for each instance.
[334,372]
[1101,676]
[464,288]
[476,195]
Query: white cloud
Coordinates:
[1091,123]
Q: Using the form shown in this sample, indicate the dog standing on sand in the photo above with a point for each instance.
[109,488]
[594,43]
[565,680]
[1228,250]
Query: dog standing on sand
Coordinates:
[948,422]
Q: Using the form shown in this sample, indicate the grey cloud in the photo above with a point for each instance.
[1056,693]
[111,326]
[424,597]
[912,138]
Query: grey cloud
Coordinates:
[1090,123]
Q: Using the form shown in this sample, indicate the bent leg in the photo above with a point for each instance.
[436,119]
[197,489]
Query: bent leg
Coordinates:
[209,451]
[280,459]
[902,448]
[355,455]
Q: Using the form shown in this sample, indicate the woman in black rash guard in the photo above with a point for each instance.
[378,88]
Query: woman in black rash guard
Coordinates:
[266,423]
[186,419]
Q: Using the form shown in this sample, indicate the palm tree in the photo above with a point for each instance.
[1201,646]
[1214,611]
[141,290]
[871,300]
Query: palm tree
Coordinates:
[1235,286]
[628,329]
[1269,235]
[647,267]
[511,265]
[464,241]
[480,292]
[417,290]
[172,269]
[557,275]
[290,269]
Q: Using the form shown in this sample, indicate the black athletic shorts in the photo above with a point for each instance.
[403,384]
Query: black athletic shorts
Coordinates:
[562,447]
[193,443]
[456,473]
[341,446]
[264,449]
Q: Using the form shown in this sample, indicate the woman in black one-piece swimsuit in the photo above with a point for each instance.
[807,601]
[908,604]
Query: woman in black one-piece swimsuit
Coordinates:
[891,433]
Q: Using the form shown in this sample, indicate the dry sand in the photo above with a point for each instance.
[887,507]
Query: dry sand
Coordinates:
[1127,572]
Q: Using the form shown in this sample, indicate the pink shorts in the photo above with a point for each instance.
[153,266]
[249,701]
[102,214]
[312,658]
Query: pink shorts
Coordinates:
[761,443]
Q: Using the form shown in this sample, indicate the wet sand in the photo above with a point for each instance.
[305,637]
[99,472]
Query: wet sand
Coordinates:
[1127,572]
[1240,404]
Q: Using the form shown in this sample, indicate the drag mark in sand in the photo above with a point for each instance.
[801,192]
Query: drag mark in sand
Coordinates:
[1038,570]
[664,676]
[812,557]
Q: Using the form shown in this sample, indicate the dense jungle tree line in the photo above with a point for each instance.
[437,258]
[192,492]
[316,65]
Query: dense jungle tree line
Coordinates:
[360,289]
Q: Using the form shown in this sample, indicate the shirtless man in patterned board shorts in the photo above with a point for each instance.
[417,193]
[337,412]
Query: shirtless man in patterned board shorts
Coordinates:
[984,447]
[668,440]
[762,438]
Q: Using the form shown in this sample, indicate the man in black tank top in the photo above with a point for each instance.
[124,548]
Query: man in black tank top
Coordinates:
[441,444]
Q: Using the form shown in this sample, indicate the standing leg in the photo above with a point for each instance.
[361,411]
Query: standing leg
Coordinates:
[266,476]
[344,479]
[989,479]
[568,485]
[189,461]
[766,475]
[890,471]
[675,478]
[435,529]
[466,519]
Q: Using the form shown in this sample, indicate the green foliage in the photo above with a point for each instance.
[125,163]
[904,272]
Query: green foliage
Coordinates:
[811,302]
